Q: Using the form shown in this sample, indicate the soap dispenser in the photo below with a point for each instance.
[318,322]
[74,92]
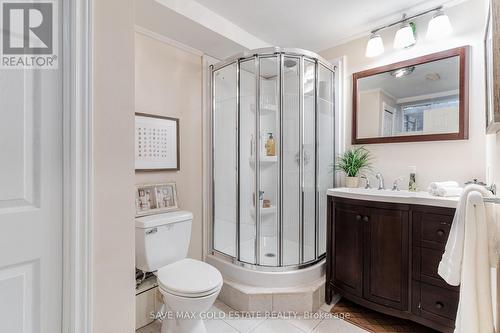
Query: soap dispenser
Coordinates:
[270,145]
[412,184]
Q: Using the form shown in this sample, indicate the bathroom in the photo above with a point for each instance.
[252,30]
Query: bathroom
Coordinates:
[190,167]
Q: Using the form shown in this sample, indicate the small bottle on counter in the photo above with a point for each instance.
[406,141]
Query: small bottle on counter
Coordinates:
[412,184]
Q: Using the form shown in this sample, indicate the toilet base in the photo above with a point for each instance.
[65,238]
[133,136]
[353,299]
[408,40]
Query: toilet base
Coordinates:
[185,314]
[183,326]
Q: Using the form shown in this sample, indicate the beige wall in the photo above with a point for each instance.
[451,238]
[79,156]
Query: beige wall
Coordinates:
[113,167]
[168,82]
[455,160]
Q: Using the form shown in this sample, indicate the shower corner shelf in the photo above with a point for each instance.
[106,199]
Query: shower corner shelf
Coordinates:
[265,108]
[264,211]
[264,160]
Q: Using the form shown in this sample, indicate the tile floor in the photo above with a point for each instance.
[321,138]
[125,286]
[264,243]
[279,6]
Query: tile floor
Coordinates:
[227,324]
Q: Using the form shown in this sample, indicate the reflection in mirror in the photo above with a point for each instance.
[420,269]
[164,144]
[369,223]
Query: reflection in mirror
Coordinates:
[413,100]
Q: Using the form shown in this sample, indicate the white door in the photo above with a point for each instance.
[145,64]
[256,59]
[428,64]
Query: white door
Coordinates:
[31,199]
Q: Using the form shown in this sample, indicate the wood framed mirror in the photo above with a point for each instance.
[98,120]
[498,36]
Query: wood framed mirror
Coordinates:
[421,99]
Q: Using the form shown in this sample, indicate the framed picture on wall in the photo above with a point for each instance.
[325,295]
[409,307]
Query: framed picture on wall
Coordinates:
[156,143]
[492,67]
[155,198]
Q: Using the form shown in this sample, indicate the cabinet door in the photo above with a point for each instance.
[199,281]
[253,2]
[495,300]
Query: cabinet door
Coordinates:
[386,263]
[347,265]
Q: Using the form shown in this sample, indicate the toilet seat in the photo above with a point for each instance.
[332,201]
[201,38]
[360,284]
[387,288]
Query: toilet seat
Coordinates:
[189,278]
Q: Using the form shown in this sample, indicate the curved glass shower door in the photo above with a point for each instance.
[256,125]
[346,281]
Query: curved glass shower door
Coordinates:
[272,157]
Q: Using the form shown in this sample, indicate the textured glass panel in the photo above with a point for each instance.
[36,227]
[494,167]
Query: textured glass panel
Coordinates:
[247,161]
[326,144]
[224,160]
[268,156]
[308,161]
[291,158]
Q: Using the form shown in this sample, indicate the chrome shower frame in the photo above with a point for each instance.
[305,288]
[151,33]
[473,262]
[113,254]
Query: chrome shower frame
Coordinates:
[279,54]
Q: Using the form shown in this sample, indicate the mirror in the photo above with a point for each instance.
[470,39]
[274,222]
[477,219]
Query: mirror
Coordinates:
[421,99]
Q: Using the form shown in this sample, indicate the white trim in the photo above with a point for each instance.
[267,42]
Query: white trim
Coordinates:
[340,107]
[207,146]
[164,39]
[77,145]
[428,96]
[390,109]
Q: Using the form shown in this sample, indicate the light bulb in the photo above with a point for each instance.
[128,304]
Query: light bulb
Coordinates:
[404,37]
[375,46]
[439,26]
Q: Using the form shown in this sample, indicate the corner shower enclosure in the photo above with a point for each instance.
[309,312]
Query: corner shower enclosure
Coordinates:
[269,198]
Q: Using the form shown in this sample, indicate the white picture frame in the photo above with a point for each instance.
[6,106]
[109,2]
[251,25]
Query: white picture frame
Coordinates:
[155,198]
[156,143]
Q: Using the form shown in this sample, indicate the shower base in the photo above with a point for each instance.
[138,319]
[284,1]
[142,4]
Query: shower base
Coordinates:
[252,289]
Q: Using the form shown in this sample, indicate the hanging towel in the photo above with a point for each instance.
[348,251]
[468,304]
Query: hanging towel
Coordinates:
[451,263]
[469,254]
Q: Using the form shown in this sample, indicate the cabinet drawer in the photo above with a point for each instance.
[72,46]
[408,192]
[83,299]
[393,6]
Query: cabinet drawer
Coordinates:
[435,301]
[433,229]
[425,267]
[429,262]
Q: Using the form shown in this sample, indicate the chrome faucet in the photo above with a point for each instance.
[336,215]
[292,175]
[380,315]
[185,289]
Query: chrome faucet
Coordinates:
[367,186]
[380,178]
[395,185]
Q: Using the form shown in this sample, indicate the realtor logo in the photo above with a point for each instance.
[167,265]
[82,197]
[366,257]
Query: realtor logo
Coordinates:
[29,34]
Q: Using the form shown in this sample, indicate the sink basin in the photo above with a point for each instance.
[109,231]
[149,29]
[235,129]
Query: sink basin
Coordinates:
[402,196]
[385,193]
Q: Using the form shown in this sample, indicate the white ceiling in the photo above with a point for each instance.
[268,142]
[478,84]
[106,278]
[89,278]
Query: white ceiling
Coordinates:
[416,84]
[155,17]
[313,25]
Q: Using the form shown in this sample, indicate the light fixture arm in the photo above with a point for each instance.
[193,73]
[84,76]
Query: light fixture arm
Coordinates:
[405,18]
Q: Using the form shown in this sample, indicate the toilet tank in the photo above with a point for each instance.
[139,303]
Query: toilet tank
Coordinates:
[161,239]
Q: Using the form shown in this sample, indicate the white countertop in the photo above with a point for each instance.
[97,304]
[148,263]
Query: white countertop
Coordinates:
[403,196]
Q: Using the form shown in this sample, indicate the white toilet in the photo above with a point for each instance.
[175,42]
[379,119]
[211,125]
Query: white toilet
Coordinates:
[188,286]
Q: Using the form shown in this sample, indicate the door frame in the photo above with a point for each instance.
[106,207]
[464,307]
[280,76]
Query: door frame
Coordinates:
[77,165]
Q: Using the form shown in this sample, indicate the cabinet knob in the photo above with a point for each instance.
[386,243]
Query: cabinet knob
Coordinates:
[358,217]
[366,218]
[440,232]
[439,305]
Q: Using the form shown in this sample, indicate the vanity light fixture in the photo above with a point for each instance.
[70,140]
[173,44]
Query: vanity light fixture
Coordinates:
[405,36]
[439,26]
[402,72]
[375,46]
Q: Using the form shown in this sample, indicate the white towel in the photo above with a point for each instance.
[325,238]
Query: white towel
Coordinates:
[447,191]
[435,185]
[451,262]
[475,311]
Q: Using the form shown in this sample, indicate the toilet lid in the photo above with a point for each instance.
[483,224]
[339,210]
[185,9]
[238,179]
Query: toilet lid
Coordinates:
[189,277]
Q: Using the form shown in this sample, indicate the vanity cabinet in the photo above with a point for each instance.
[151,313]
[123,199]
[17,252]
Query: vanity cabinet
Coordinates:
[384,256]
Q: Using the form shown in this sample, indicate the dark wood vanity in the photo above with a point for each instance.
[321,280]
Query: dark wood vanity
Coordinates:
[384,256]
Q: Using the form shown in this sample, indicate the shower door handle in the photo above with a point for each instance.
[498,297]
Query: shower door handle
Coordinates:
[306,158]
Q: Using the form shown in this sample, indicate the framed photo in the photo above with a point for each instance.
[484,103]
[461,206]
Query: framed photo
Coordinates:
[156,143]
[155,198]
[492,67]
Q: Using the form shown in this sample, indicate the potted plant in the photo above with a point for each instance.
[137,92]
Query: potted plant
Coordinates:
[351,162]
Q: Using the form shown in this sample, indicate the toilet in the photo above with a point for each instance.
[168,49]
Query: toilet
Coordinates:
[189,287]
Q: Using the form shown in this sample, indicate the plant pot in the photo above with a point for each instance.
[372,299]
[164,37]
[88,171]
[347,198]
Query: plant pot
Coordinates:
[352,182]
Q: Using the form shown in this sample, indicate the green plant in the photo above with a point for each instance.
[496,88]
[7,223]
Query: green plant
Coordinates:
[353,161]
